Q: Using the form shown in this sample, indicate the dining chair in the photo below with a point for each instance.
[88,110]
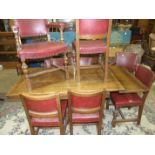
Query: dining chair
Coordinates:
[129,100]
[92,38]
[44,111]
[86,108]
[127,59]
[40,50]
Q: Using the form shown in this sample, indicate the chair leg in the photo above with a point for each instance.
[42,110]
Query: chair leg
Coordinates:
[114,118]
[32,130]
[107,103]
[62,131]
[140,111]
[27,80]
[66,66]
[99,128]
[71,128]
[106,67]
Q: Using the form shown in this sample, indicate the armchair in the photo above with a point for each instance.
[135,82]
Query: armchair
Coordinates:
[45,50]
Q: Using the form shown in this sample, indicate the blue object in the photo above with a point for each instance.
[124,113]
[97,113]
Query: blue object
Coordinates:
[69,37]
[120,37]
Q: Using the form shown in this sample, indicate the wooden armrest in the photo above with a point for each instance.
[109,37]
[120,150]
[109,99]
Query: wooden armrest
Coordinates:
[55,25]
[15,30]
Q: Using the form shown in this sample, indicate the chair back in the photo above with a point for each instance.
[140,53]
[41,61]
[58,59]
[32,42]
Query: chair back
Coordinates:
[86,102]
[41,106]
[31,27]
[93,28]
[127,59]
[145,75]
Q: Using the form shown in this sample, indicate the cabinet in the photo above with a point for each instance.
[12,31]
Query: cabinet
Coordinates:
[8,50]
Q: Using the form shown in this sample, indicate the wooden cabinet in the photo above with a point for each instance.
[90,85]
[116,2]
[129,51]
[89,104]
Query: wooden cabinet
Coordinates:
[7,43]
[8,51]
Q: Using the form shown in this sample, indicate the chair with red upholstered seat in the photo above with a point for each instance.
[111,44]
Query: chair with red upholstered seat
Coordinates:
[44,111]
[24,28]
[92,38]
[126,100]
[86,108]
[126,59]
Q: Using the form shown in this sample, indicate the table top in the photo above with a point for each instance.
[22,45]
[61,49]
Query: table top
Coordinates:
[128,80]
[55,82]
[119,79]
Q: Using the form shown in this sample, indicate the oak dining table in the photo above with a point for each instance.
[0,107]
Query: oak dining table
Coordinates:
[119,79]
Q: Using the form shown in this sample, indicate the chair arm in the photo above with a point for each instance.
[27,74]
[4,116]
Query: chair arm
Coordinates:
[15,30]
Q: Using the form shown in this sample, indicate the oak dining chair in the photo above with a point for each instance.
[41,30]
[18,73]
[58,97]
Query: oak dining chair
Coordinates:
[93,38]
[44,111]
[86,108]
[129,100]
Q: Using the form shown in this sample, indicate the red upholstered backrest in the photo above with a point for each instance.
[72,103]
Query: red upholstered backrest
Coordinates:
[127,59]
[145,75]
[31,27]
[93,26]
[42,105]
[86,102]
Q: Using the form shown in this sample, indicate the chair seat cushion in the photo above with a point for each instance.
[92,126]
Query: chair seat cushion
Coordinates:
[50,121]
[125,100]
[42,50]
[84,118]
[92,46]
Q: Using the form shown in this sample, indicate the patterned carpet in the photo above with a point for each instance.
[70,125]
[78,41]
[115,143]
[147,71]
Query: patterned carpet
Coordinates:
[13,121]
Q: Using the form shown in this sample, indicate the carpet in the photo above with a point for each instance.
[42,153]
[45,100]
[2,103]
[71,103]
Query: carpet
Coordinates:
[13,120]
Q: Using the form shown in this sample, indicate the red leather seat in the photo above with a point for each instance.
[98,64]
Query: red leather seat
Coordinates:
[121,100]
[44,111]
[42,50]
[86,108]
[126,100]
[92,46]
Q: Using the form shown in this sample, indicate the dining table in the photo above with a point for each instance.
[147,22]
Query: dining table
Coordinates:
[119,79]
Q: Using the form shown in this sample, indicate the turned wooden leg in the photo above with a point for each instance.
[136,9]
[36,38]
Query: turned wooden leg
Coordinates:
[66,66]
[25,72]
